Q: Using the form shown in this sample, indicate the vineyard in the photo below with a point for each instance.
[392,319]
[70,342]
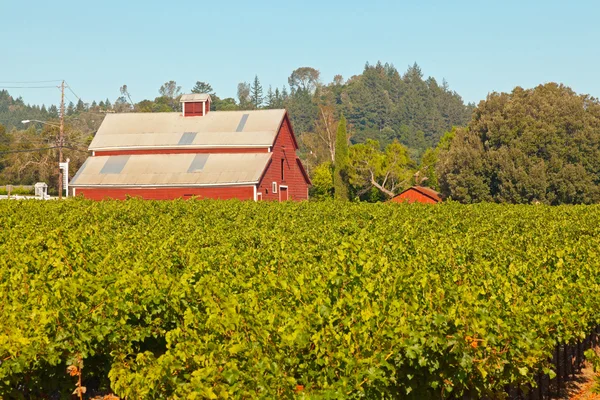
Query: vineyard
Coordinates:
[209,299]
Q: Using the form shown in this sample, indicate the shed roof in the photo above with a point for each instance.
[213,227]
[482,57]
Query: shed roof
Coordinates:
[171,170]
[425,191]
[194,97]
[166,130]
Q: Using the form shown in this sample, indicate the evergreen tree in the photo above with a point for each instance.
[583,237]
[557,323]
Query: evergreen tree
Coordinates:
[80,106]
[284,94]
[70,108]
[270,98]
[256,93]
[203,87]
[278,99]
[108,105]
[340,180]
[52,111]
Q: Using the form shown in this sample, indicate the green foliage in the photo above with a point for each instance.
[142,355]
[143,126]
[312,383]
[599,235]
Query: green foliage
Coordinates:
[212,299]
[385,106]
[389,171]
[536,145]
[322,182]
[203,87]
[17,191]
[341,162]
[256,93]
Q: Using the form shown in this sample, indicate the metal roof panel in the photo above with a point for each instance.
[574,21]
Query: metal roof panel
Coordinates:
[172,169]
[217,128]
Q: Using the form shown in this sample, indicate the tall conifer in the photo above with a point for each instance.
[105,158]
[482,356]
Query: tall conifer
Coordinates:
[340,173]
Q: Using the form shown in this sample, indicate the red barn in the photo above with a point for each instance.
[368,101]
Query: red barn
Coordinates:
[248,155]
[418,194]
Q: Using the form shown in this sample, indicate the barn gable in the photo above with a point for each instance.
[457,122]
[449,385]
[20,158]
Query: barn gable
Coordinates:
[284,170]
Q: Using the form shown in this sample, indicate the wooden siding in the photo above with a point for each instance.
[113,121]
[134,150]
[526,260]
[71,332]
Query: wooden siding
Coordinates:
[223,193]
[216,150]
[284,149]
[194,109]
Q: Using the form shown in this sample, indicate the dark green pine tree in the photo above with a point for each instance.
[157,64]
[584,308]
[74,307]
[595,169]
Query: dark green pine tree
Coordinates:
[70,108]
[52,111]
[256,93]
[203,87]
[80,106]
[340,180]
[278,99]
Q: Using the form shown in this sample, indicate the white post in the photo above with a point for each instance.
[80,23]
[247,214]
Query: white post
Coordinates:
[64,166]
[203,108]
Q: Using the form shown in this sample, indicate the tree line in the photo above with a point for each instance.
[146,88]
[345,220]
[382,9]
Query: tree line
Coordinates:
[390,131]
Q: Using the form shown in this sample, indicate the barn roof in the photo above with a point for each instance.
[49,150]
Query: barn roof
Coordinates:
[172,170]
[425,191]
[172,130]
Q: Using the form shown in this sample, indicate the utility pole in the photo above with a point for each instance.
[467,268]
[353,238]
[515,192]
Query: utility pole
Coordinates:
[60,139]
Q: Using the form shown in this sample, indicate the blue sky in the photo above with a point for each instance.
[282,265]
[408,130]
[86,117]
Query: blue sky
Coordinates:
[477,46]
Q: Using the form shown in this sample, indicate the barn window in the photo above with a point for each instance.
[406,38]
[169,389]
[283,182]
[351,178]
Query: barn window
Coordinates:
[282,174]
[274,187]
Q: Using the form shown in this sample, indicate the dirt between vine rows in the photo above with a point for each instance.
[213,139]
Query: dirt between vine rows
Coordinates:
[580,388]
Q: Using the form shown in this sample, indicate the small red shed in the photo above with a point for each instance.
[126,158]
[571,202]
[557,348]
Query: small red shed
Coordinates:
[248,155]
[418,194]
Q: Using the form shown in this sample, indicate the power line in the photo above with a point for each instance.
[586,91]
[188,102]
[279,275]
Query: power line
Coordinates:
[26,87]
[74,94]
[57,80]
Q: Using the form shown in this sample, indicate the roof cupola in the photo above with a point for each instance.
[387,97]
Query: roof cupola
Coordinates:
[195,104]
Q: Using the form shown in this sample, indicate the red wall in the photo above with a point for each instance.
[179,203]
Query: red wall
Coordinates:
[413,196]
[284,148]
[194,109]
[223,150]
[224,193]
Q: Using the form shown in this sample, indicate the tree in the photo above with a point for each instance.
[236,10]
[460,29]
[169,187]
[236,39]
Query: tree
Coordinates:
[535,145]
[322,182]
[270,98]
[171,92]
[256,93]
[125,93]
[340,175]
[227,104]
[325,129]
[52,111]
[70,108]
[387,171]
[243,93]
[80,107]
[203,87]
[305,79]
